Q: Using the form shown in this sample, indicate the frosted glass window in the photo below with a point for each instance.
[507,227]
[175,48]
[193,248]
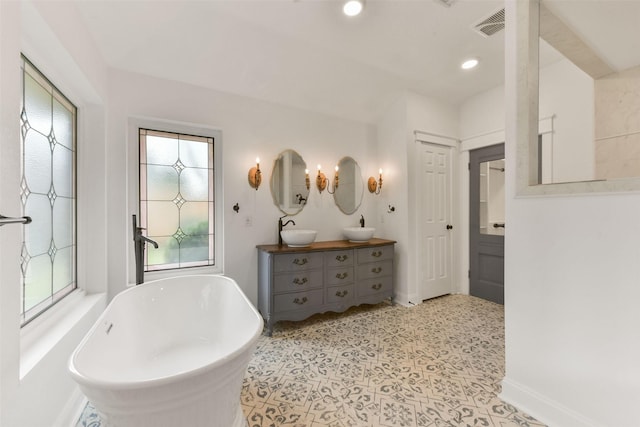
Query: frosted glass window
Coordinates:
[48,193]
[176,199]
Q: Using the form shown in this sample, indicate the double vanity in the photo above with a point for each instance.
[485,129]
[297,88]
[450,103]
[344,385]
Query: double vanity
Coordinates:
[297,282]
[300,277]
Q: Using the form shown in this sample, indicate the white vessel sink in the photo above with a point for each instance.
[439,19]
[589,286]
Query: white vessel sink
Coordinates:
[298,238]
[358,234]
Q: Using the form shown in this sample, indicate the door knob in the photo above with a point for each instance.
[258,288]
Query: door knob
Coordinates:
[449,227]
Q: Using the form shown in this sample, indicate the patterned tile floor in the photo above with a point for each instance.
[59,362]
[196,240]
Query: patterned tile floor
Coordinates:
[437,364]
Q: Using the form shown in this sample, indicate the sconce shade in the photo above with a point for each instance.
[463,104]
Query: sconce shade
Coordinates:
[321,181]
[255,175]
[372,184]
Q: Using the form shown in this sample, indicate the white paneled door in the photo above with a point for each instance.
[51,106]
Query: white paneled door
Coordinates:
[435,221]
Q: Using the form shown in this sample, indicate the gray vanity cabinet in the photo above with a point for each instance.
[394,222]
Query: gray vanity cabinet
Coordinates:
[340,278]
[375,273]
[295,283]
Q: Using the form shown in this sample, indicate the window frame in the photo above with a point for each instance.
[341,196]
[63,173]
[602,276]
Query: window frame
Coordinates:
[27,316]
[137,123]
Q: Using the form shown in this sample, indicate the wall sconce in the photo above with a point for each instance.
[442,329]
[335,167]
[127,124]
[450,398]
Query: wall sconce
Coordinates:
[336,181]
[375,187]
[255,176]
[321,180]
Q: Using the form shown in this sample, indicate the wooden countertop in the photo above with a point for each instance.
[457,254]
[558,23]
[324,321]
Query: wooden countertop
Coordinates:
[324,246]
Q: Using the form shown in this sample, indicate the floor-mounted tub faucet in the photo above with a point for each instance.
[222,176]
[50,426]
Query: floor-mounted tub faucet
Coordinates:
[281,226]
[139,241]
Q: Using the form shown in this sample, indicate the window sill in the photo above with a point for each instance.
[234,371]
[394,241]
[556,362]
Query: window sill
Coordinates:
[39,337]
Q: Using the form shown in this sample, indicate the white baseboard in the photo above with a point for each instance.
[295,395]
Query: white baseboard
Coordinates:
[541,407]
[71,412]
[402,299]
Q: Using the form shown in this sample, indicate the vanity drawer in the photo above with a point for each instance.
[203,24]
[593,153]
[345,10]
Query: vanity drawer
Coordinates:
[376,253]
[338,258]
[341,294]
[338,276]
[297,261]
[297,300]
[297,281]
[375,269]
[375,286]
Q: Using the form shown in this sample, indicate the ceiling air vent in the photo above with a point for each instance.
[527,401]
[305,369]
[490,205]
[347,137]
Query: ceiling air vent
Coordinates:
[446,3]
[491,25]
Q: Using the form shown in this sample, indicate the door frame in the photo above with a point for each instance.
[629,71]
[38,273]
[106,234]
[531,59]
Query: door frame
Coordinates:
[453,145]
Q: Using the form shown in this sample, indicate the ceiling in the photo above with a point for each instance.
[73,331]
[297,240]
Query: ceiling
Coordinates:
[305,53]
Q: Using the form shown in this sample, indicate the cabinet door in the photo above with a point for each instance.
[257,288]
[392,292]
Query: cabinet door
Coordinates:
[375,269]
[377,285]
[343,295]
[298,301]
[375,253]
[339,258]
[297,261]
[339,276]
[297,281]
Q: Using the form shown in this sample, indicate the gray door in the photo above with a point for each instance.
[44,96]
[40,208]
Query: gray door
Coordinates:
[486,223]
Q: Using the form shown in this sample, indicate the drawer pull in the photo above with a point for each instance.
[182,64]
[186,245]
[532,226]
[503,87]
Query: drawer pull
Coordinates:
[376,270]
[376,287]
[300,301]
[376,254]
[342,258]
[299,281]
[341,294]
[342,276]
[302,261]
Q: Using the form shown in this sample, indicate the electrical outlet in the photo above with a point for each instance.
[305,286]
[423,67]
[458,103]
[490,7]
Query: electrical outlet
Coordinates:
[248,221]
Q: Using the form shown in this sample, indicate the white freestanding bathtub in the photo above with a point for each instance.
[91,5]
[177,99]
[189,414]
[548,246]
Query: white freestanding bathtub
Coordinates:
[171,352]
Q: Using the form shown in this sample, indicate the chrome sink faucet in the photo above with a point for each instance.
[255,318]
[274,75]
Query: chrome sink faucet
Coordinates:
[281,226]
[139,241]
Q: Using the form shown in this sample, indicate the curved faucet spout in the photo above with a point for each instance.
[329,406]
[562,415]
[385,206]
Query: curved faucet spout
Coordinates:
[146,239]
[281,226]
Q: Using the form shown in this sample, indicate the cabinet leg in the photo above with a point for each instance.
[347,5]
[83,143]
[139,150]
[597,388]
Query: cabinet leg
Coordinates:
[269,329]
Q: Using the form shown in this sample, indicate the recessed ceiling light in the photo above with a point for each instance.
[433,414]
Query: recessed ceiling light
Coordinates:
[353,7]
[469,64]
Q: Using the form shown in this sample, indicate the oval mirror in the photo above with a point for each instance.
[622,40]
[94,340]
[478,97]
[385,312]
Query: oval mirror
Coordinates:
[288,182]
[348,193]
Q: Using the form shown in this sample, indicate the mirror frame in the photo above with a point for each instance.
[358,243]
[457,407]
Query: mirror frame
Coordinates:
[276,202]
[360,181]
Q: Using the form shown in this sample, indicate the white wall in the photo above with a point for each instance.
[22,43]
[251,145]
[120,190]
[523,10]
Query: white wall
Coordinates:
[35,387]
[396,130]
[567,93]
[250,128]
[481,124]
[571,287]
